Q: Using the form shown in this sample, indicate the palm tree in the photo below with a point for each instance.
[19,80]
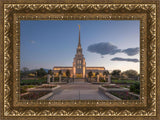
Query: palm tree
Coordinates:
[90,74]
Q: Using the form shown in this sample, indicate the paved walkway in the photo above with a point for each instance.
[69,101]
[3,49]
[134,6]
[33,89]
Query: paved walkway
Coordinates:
[79,91]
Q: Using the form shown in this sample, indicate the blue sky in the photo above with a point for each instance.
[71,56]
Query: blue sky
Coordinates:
[48,43]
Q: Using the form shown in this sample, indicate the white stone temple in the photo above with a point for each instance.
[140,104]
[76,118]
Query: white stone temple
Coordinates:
[79,68]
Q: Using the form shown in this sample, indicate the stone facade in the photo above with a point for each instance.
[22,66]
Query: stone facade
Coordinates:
[79,69]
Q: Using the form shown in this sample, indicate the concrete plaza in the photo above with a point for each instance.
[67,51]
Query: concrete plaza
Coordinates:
[79,91]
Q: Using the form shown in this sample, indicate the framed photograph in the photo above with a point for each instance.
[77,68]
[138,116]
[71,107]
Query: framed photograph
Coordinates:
[80,60]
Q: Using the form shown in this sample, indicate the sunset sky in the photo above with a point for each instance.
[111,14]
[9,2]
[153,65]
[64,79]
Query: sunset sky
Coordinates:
[113,44]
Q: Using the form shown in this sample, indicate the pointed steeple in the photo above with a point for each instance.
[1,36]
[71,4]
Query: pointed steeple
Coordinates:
[79,43]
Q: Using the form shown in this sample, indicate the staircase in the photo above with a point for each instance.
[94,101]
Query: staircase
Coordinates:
[80,80]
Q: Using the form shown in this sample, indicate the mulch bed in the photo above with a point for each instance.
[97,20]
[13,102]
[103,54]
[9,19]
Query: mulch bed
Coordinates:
[33,95]
[46,86]
[124,95]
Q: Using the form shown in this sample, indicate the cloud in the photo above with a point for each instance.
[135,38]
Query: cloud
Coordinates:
[131,51]
[103,48]
[124,59]
[32,42]
[102,56]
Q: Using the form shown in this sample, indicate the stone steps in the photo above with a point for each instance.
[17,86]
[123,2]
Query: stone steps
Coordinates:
[79,80]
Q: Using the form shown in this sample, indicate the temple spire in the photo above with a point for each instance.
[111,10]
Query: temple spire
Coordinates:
[79,43]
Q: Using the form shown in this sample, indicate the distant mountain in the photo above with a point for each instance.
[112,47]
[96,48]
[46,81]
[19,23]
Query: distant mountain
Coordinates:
[47,70]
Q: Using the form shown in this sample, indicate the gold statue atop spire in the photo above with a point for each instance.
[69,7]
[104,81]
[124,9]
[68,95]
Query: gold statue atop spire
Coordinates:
[79,27]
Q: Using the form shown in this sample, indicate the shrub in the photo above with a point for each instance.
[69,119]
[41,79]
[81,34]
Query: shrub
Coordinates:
[135,88]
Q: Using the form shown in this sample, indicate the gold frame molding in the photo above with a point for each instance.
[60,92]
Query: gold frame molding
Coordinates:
[14,11]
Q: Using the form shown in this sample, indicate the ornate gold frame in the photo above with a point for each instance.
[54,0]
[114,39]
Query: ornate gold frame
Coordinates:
[145,11]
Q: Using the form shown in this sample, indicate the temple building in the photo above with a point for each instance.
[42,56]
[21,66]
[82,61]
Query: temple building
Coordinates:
[79,68]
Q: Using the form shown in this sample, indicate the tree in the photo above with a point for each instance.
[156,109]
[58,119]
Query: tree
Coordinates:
[131,73]
[97,73]
[24,72]
[25,69]
[90,74]
[41,72]
[106,72]
[116,73]
[68,73]
[124,76]
[50,72]
[60,72]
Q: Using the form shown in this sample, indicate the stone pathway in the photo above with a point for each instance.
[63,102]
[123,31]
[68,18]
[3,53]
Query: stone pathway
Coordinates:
[79,91]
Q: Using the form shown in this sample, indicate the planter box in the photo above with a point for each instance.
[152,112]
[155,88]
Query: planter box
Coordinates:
[112,96]
[99,83]
[53,92]
[103,89]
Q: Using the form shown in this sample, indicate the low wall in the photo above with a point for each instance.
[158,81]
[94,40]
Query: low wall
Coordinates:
[53,92]
[58,83]
[107,90]
[99,83]
[111,96]
[103,89]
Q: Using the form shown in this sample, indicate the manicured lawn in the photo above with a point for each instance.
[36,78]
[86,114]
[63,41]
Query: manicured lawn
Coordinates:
[33,82]
[135,88]
[34,95]
[124,81]
[124,95]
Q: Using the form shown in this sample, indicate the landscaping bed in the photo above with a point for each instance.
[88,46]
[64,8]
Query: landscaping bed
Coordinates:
[124,95]
[34,95]
[111,86]
[23,89]
[46,86]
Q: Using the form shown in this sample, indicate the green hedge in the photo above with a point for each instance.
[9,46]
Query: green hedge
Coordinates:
[33,82]
[135,88]
[124,81]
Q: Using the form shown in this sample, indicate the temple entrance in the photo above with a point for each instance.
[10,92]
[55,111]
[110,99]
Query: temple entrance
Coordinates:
[79,75]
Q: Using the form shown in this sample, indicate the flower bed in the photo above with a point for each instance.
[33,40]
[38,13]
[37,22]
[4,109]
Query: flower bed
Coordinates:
[124,95]
[33,95]
[46,86]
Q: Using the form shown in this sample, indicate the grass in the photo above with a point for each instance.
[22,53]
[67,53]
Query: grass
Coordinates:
[33,82]
[124,81]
